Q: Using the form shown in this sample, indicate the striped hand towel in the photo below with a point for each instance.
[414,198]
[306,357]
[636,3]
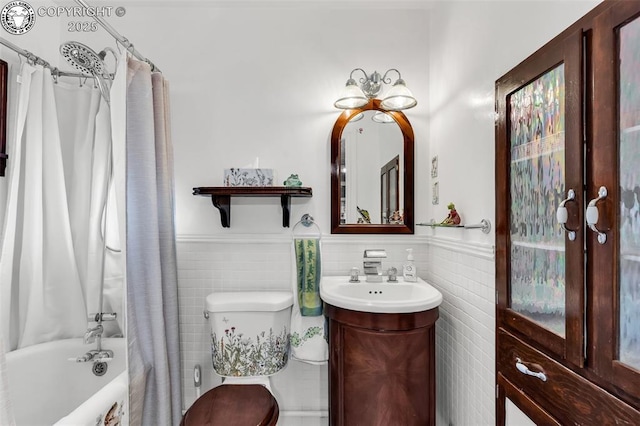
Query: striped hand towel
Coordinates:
[308,270]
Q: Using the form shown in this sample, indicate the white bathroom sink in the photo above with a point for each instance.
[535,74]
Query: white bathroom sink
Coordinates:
[384,297]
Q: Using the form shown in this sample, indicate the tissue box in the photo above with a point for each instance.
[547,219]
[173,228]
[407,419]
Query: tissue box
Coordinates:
[248,177]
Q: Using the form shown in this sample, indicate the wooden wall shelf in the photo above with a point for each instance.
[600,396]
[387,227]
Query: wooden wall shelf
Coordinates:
[221,198]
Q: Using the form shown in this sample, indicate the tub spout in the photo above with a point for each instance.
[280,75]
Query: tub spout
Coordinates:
[92,333]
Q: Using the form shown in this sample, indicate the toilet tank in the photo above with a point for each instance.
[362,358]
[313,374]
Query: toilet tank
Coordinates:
[249,332]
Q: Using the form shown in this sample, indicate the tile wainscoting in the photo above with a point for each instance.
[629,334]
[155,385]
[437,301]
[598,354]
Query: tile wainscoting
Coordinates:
[462,271]
[465,332]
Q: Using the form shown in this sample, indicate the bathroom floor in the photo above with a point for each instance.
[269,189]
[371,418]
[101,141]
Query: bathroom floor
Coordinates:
[303,421]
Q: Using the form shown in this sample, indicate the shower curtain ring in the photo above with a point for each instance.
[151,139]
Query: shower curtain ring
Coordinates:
[55,73]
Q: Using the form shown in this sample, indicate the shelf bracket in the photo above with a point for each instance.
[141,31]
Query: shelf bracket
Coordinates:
[223,203]
[285,201]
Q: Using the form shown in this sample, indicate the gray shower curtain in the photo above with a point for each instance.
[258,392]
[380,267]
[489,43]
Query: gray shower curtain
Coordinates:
[152,284]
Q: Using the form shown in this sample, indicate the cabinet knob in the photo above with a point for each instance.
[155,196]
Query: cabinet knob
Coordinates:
[562,215]
[592,215]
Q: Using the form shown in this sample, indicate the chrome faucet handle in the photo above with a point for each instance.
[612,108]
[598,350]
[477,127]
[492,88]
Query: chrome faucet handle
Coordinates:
[102,316]
[84,358]
[104,355]
[355,272]
[392,273]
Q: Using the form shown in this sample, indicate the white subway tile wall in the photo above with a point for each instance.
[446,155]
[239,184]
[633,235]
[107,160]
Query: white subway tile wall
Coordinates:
[465,332]
[463,273]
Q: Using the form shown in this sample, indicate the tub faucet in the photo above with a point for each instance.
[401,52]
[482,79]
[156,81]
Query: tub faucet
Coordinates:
[92,333]
[95,355]
[372,264]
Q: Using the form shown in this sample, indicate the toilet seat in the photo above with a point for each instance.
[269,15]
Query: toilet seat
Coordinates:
[237,405]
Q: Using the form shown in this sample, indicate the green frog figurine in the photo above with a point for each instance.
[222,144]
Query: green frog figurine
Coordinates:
[293,181]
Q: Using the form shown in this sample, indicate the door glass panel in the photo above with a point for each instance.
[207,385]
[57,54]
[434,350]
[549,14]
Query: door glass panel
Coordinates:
[537,281]
[629,151]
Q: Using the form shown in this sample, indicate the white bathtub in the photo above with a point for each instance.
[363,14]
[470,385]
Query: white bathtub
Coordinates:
[46,388]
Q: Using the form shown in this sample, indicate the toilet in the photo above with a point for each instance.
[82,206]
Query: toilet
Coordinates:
[249,344]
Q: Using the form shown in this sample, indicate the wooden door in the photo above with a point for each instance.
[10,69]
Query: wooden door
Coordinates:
[614,163]
[539,161]
[389,189]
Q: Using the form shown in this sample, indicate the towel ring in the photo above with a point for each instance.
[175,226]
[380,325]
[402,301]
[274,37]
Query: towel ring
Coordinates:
[308,222]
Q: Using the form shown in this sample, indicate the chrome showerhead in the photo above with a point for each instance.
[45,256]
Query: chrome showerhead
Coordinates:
[83,58]
[87,61]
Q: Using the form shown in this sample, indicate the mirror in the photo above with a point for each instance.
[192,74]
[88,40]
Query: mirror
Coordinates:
[4,69]
[372,152]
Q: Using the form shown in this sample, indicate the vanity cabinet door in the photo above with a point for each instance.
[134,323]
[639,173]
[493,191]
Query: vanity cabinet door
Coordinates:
[381,368]
[614,161]
[539,168]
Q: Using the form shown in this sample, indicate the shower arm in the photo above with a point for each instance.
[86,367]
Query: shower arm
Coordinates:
[119,38]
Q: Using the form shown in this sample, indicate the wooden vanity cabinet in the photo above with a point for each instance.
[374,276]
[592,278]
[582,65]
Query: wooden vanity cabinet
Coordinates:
[568,225]
[381,368]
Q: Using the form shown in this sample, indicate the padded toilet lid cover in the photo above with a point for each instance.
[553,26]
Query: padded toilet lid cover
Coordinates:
[238,405]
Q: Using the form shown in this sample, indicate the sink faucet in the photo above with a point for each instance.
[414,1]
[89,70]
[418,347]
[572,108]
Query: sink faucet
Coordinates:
[372,264]
[92,333]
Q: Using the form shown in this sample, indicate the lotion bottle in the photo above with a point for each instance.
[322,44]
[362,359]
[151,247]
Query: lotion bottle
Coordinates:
[409,268]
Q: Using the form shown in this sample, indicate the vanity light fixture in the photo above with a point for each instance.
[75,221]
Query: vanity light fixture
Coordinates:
[397,98]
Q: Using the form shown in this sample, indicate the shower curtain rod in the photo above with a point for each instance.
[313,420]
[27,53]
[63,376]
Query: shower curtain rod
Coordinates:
[39,61]
[119,38]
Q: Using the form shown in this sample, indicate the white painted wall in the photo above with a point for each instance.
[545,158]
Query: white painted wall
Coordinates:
[251,80]
[473,43]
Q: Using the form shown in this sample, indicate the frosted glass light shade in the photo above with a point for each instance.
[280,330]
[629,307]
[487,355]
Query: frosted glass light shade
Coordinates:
[357,117]
[399,97]
[382,117]
[352,97]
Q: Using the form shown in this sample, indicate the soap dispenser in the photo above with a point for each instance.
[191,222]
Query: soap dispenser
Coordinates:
[409,268]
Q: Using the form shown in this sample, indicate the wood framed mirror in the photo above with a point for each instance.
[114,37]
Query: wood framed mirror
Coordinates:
[3,117]
[365,188]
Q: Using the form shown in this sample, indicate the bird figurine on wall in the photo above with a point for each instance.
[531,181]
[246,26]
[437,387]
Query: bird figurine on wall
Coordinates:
[366,218]
[453,218]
